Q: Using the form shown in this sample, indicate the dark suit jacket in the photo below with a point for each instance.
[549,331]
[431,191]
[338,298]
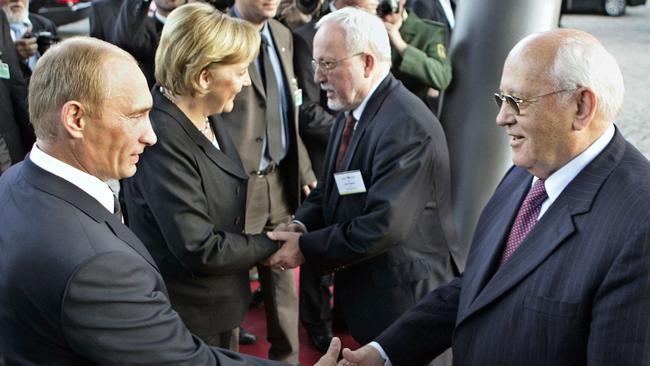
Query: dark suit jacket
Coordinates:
[315,119]
[432,10]
[574,293]
[187,204]
[15,129]
[401,230]
[139,34]
[78,288]
[246,123]
[102,18]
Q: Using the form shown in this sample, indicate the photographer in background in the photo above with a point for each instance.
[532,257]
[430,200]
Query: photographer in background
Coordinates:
[419,56]
[32,34]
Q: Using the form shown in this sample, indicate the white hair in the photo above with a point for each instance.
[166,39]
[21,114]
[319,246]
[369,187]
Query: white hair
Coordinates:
[362,30]
[580,63]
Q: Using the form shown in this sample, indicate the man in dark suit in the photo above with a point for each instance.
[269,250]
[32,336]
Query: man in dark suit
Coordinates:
[102,18]
[316,121]
[264,126]
[138,32]
[76,286]
[559,270]
[381,216]
[15,130]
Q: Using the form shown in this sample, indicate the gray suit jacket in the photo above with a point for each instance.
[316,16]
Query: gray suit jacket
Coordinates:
[246,124]
[574,293]
[401,231]
[78,288]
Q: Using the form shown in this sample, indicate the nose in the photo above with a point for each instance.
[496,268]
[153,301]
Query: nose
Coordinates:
[505,115]
[148,137]
[247,79]
[319,76]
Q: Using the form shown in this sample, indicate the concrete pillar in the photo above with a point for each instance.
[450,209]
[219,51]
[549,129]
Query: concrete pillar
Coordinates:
[485,32]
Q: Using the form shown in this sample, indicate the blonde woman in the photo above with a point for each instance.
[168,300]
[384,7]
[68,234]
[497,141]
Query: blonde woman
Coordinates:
[188,198]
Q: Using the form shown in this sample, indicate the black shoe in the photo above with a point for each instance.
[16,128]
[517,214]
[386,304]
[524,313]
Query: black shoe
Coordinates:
[246,338]
[321,340]
[256,299]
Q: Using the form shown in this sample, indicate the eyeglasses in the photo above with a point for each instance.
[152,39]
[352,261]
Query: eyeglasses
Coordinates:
[328,66]
[515,102]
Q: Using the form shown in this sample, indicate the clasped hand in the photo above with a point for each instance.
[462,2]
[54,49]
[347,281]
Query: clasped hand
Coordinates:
[289,254]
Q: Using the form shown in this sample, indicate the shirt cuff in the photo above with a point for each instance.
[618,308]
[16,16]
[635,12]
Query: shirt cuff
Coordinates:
[302,226]
[383,354]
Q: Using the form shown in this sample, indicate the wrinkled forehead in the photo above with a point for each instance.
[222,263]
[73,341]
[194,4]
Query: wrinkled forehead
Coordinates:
[527,67]
[329,41]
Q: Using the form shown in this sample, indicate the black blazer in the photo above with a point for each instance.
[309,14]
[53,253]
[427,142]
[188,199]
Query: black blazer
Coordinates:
[15,128]
[187,203]
[401,230]
[314,118]
[574,293]
[102,18]
[78,288]
[139,34]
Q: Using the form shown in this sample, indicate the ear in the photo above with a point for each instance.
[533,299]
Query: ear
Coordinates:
[586,108]
[370,64]
[73,116]
[205,78]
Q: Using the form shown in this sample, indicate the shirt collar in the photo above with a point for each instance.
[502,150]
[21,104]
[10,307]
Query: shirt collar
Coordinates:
[160,18]
[90,184]
[557,182]
[358,111]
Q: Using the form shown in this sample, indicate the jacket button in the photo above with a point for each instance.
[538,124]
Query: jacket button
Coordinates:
[237,191]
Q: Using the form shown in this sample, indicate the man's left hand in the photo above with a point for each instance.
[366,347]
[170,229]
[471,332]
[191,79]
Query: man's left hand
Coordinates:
[289,255]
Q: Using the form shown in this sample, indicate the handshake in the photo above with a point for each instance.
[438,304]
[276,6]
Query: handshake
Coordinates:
[364,356]
[289,254]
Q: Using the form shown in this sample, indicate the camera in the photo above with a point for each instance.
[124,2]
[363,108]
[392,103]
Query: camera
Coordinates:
[387,7]
[44,40]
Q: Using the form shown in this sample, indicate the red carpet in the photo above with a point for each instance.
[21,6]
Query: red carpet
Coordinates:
[255,323]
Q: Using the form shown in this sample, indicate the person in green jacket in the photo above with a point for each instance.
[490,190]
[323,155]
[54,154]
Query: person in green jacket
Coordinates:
[419,52]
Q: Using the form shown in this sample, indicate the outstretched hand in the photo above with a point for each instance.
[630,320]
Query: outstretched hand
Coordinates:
[289,254]
[332,355]
[364,356]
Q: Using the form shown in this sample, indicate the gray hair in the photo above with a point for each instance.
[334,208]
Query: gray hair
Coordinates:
[582,63]
[362,30]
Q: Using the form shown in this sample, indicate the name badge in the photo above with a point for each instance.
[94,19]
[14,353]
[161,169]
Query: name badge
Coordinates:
[350,182]
[297,96]
[4,71]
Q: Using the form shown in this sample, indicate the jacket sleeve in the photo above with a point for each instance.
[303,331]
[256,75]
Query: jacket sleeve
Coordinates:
[425,57]
[114,312]
[425,330]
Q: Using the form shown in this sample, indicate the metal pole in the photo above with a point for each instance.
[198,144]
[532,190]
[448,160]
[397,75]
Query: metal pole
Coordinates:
[485,32]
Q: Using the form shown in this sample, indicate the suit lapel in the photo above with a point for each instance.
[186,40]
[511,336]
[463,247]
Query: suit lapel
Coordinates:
[227,159]
[331,193]
[61,188]
[369,113]
[550,232]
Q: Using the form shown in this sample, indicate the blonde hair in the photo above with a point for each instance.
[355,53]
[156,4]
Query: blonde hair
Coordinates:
[195,37]
[70,70]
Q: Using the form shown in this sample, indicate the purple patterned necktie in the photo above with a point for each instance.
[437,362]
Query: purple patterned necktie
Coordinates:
[526,219]
[345,140]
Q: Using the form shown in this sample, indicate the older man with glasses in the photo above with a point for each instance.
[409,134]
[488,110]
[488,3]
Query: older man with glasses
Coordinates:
[559,270]
[380,218]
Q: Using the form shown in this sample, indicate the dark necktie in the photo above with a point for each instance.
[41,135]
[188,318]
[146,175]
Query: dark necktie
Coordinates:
[273,118]
[345,139]
[117,209]
[526,219]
